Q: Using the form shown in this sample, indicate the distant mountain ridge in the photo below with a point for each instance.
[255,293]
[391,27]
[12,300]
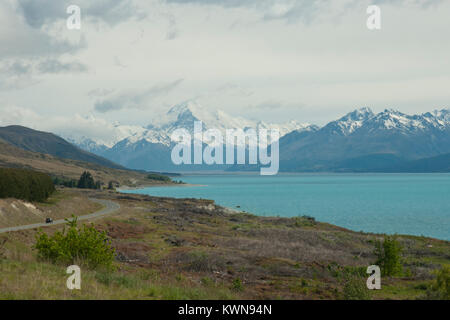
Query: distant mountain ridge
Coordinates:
[380,140]
[360,141]
[49,143]
[149,147]
[183,115]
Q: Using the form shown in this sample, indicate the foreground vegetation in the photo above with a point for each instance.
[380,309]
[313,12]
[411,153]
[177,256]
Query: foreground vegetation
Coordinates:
[85,245]
[193,249]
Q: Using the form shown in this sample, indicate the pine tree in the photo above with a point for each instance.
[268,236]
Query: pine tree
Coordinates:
[389,256]
[86,181]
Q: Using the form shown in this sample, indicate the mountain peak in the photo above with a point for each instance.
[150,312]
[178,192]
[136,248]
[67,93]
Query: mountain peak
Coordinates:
[350,122]
[442,113]
[359,114]
[392,111]
[364,110]
[191,106]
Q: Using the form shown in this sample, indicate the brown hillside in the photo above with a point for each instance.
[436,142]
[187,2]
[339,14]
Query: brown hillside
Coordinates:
[13,157]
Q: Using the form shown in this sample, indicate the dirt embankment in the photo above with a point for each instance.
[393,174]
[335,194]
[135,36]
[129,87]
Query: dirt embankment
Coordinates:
[63,204]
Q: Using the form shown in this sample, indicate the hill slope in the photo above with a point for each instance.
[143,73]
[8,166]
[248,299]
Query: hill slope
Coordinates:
[48,143]
[14,157]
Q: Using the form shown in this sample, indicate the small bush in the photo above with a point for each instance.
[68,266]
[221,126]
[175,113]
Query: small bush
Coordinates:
[389,256]
[440,289]
[208,282]
[304,221]
[237,285]
[73,245]
[355,288]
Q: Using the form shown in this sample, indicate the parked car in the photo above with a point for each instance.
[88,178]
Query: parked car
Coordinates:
[49,220]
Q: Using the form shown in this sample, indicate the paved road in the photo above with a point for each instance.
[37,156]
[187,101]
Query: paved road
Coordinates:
[110,207]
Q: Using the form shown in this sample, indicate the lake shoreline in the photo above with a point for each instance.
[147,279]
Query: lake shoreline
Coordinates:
[129,188]
[413,204]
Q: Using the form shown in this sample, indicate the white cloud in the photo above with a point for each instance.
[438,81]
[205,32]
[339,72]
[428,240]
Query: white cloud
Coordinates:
[136,99]
[312,61]
[74,126]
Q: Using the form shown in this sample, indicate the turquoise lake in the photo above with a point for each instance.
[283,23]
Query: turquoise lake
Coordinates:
[416,204]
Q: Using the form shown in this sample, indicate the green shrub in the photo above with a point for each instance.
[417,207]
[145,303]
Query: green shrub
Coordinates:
[73,245]
[25,184]
[440,289]
[389,256]
[304,221]
[237,285]
[355,288]
[207,281]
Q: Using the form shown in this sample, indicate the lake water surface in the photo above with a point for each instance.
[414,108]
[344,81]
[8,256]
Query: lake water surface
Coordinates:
[417,204]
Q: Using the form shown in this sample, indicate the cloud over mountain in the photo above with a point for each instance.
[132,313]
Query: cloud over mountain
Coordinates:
[135,99]
[286,58]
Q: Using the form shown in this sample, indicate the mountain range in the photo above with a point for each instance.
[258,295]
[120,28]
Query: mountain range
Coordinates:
[360,141]
[149,147]
[365,141]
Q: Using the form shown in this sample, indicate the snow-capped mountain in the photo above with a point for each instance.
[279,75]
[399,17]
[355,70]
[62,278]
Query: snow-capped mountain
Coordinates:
[360,140]
[366,120]
[149,147]
[112,134]
[183,115]
[367,140]
[389,119]
[350,122]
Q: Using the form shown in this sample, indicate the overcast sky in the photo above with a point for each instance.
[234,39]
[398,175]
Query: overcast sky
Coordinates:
[312,61]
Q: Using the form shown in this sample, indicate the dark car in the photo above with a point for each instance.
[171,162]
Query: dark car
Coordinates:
[49,220]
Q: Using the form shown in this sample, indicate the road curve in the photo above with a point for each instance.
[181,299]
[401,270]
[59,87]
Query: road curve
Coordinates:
[109,208]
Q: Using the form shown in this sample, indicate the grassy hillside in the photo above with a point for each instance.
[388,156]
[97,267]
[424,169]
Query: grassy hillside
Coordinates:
[48,143]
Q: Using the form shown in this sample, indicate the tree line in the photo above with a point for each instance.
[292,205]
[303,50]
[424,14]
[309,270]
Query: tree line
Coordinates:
[25,184]
[86,181]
